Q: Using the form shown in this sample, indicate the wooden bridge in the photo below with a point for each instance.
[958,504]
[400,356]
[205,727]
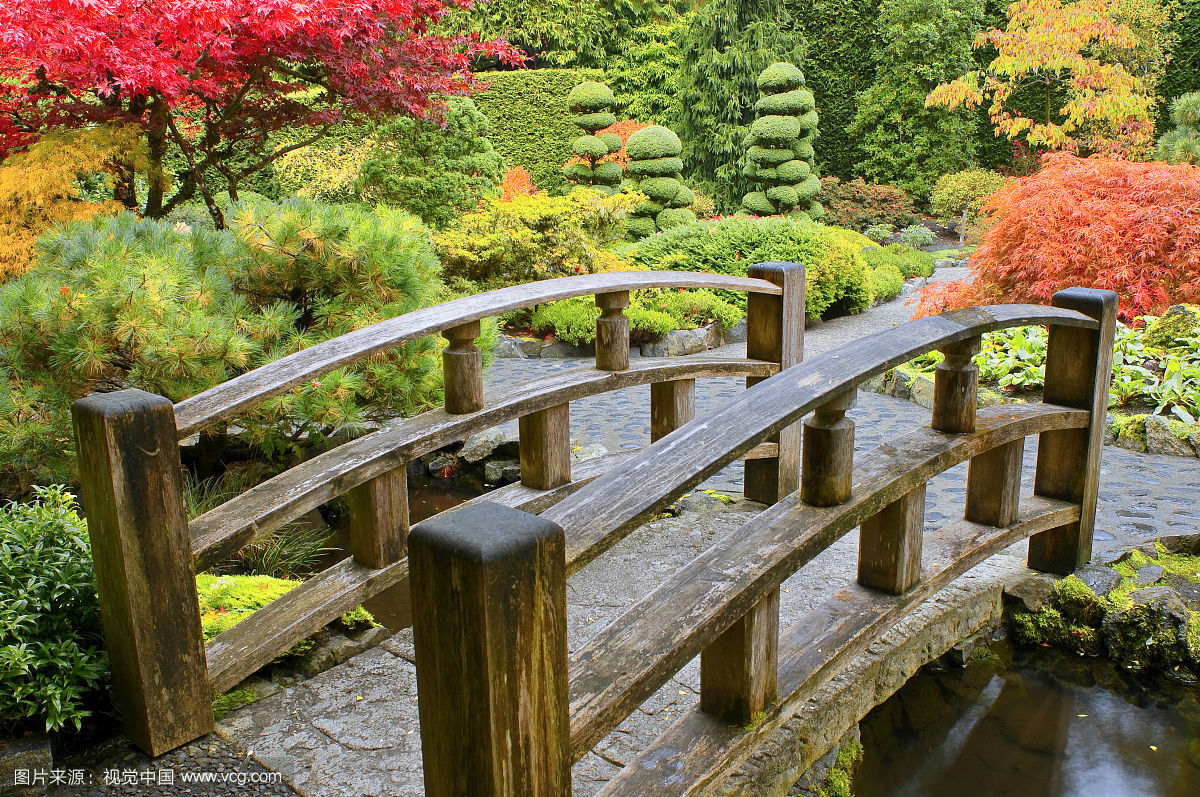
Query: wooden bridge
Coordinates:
[504,710]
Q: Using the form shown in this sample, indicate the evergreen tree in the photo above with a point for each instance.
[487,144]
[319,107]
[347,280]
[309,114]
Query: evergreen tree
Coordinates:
[779,147]
[725,48]
[1182,143]
[654,166]
[925,42]
[593,103]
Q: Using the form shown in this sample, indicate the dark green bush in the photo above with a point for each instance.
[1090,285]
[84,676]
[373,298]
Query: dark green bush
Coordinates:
[52,661]
[645,73]
[532,126]
[1181,144]
[837,276]
[654,150]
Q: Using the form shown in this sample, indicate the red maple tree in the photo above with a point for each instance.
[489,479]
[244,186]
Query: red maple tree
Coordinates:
[215,78]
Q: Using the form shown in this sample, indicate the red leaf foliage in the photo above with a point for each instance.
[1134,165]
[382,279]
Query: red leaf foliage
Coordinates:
[1098,222]
[624,129]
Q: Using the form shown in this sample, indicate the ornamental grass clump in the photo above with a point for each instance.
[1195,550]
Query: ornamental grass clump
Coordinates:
[779,147]
[593,103]
[654,166]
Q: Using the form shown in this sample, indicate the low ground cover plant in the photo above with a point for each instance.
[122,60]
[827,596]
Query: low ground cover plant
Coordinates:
[651,313]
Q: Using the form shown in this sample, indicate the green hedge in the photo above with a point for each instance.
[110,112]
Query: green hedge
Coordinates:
[531,124]
[908,261]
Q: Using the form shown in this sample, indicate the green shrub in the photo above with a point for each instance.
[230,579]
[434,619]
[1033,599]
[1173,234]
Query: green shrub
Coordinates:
[880,232]
[1182,73]
[52,662]
[886,282]
[532,126]
[908,261]
[859,205]
[1182,144]
[593,103]
[917,235]
[125,303]
[837,274]
[534,237]
[651,313]
[966,190]
[782,164]
[430,169]
[654,171]
[325,171]
[644,74]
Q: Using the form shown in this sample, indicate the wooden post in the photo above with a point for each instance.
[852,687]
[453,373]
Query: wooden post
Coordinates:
[379,519]
[828,454]
[489,623]
[739,671]
[132,484]
[672,404]
[546,447]
[612,332]
[1078,372]
[462,364]
[956,388]
[775,333]
[889,545]
[994,485]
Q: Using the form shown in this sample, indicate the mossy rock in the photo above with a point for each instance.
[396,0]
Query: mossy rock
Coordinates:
[782,129]
[611,140]
[589,147]
[809,188]
[780,76]
[683,199]
[788,103]
[640,226]
[592,122]
[607,173]
[784,196]
[1181,320]
[793,171]
[578,172]
[756,202]
[590,96]
[656,167]
[652,142]
[660,189]
[674,217]
[770,156]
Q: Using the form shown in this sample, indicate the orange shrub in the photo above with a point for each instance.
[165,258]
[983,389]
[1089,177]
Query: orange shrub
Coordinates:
[516,183]
[1098,222]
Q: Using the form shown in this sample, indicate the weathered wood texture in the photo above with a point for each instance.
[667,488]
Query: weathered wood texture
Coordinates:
[222,531]
[956,387]
[827,459]
[672,404]
[490,630]
[994,485]
[1078,373]
[699,751]
[612,331]
[226,400]
[775,333]
[889,544]
[379,519]
[546,447]
[462,364]
[605,511]
[738,671]
[132,483]
[625,663]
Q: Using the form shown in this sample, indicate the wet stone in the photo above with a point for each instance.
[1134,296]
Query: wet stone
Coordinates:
[1150,574]
[1031,593]
[1100,580]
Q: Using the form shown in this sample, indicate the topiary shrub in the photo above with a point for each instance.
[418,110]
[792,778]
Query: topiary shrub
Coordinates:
[593,103]
[964,192]
[1182,144]
[858,205]
[654,166]
[779,152]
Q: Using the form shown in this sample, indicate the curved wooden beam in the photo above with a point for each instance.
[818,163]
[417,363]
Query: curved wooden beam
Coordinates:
[630,659]
[222,531]
[227,399]
[605,511]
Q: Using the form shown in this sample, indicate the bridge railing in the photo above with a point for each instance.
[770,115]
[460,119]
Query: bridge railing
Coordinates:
[505,710]
[146,552]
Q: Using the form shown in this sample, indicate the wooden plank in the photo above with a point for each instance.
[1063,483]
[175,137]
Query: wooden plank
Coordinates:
[612,331]
[775,333]
[1078,373]
[672,404]
[627,661]
[608,509]
[956,387]
[227,399]
[698,751]
[132,489]
[462,367]
[490,631]
[889,544]
[827,459]
[235,654]
[546,447]
[379,519]
[738,671]
[994,485]
[221,531]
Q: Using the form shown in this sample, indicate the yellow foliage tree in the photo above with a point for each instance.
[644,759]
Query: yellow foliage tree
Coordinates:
[40,187]
[1096,62]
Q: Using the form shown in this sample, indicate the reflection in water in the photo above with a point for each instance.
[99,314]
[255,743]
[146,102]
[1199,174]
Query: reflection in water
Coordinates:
[992,733]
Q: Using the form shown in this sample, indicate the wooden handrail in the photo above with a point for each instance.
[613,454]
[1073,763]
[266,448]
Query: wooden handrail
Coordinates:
[227,399]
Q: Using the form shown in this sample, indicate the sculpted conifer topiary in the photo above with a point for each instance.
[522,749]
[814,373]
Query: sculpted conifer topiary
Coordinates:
[779,147]
[593,103]
[654,166]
